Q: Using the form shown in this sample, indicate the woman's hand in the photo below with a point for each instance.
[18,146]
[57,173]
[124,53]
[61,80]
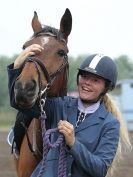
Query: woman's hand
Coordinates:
[31,50]
[67,130]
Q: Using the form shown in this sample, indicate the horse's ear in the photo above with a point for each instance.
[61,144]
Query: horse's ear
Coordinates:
[66,23]
[36,25]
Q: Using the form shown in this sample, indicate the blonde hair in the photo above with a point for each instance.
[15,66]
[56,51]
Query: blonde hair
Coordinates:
[124,140]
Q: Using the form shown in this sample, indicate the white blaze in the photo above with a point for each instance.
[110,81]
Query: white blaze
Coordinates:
[45,40]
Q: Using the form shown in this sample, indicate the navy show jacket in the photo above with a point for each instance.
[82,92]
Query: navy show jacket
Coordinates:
[96,138]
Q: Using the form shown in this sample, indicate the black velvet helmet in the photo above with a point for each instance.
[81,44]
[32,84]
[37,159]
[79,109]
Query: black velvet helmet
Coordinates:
[100,65]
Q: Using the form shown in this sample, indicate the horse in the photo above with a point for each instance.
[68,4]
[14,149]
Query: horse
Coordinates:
[42,75]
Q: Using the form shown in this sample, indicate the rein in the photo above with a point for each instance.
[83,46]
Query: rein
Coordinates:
[47,145]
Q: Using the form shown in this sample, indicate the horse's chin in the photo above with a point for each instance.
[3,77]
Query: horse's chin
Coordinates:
[26,106]
[25,102]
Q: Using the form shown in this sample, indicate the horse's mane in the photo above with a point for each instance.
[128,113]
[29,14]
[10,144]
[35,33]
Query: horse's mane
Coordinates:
[51,30]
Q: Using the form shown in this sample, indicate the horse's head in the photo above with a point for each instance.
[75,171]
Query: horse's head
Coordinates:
[45,69]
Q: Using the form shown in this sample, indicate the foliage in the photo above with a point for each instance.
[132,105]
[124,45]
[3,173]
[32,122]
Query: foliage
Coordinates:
[4,96]
[74,64]
[125,67]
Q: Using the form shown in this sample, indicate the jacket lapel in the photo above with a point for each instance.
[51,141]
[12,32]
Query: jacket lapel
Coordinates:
[93,119]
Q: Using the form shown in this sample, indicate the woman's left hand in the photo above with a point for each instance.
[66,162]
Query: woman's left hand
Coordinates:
[67,130]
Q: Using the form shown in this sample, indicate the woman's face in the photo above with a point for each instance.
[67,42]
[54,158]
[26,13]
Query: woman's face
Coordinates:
[90,86]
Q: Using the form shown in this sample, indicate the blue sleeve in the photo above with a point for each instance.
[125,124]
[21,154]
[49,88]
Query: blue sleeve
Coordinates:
[97,163]
[12,76]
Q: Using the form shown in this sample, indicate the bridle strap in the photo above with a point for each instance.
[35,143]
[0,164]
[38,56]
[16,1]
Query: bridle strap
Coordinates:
[53,75]
[49,77]
[35,59]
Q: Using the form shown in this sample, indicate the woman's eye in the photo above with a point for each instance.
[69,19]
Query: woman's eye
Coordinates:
[84,75]
[96,80]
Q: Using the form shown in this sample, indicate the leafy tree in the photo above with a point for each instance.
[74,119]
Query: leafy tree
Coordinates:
[4,96]
[74,64]
[125,67]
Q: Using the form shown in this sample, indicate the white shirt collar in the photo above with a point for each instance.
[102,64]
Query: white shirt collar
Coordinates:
[87,110]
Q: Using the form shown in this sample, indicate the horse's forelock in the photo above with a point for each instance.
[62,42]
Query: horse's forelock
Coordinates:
[50,30]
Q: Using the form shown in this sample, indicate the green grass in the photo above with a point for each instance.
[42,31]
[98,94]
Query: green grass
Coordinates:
[7,119]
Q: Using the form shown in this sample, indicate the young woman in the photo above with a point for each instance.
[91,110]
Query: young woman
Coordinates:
[92,126]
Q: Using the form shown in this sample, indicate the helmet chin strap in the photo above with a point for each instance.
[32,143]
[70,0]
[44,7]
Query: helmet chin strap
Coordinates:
[91,101]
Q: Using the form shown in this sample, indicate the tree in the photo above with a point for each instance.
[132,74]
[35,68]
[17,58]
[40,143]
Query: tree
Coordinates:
[125,67]
[74,64]
[4,96]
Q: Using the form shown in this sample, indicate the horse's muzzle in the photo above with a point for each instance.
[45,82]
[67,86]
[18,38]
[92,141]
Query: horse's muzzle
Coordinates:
[25,94]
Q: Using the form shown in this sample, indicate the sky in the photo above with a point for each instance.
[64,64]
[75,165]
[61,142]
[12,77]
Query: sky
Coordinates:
[99,26]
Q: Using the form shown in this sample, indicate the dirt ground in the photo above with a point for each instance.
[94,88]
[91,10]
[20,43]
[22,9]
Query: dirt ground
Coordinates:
[7,168]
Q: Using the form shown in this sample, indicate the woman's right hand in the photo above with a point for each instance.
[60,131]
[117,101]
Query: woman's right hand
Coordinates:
[30,50]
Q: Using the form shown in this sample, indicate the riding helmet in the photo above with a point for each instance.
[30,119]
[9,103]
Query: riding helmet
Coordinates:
[100,65]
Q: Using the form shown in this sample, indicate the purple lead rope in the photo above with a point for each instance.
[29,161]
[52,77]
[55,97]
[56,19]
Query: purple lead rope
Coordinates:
[47,145]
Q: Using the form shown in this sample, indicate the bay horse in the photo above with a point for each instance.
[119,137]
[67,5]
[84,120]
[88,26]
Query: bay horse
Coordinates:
[43,74]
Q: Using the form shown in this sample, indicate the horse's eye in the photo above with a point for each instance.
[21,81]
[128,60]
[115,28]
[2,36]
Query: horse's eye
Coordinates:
[23,47]
[62,53]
